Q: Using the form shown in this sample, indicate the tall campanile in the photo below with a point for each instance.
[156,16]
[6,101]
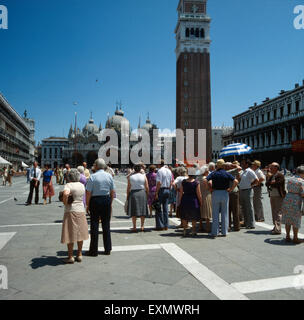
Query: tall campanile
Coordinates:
[193,100]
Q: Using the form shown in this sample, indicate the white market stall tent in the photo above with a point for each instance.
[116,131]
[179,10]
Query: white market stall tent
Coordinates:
[4,162]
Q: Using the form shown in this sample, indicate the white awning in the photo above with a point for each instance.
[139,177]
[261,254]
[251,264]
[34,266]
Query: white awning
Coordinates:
[4,162]
[24,165]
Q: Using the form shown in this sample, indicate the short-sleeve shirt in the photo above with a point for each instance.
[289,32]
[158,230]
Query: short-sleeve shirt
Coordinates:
[47,176]
[100,183]
[260,174]
[220,179]
[178,182]
[165,177]
[77,190]
[137,181]
[247,177]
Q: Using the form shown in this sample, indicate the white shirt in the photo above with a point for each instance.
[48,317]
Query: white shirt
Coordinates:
[137,181]
[178,182]
[247,178]
[259,173]
[164,176]
[38,174]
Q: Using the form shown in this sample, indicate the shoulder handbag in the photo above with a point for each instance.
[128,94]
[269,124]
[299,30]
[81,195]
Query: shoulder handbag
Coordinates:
[126,207]
[70,198]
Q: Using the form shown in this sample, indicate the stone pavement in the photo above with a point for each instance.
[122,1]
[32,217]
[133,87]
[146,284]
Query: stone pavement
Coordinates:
[251,264]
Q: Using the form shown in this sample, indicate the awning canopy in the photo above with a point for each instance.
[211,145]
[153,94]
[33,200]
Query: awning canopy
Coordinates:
[4,162]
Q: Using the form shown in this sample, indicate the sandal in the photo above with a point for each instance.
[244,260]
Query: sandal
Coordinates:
[79,259]
[69,260]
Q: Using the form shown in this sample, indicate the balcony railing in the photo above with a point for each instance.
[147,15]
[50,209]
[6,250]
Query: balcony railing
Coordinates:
[273,122]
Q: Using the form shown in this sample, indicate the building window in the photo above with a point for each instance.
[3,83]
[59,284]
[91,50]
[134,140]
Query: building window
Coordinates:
[274,114]
[186,95]
[192,32]
[202,33]
[247,123]
[185,69]
[257,120]
[187,33]
[186,123]
[197,32]
[186,109]
[185,57]
[186,83]
[268,116]
[263,118]
[252,122]
[282,112]
[289,108]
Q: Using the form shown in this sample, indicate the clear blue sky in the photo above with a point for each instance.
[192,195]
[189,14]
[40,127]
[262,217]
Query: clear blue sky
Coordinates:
[54,50]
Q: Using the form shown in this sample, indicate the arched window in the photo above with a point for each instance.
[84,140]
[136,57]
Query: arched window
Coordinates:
[202,33]
[187,33]
[192,31]
[197,32]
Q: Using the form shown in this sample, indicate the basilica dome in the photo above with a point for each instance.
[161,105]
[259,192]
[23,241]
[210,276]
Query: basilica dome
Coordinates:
[117,120]
[90,128]
[148,125]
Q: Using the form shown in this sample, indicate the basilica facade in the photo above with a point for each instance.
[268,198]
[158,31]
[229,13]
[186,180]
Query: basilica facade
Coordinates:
[84,145]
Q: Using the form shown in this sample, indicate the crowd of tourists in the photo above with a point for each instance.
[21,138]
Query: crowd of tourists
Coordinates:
[217,198]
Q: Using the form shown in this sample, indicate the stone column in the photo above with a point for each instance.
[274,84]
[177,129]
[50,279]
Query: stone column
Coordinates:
[294,133]
[261,141]
[283,164]
[279,140]
[266,140]
[272,139]
[251,142]
[286,138]
[255,142]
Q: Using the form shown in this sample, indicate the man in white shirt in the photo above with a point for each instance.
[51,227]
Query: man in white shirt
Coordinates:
[257,192]
[248,180]
[164,180]
[35,175]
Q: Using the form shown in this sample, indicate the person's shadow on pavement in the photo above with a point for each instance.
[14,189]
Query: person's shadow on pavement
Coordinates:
[46,261]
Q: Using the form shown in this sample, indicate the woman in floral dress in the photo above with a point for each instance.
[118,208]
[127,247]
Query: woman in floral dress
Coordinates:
[291,207]
[206,208]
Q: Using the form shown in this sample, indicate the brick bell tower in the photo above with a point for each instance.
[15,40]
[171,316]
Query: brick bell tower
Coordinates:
[193,100]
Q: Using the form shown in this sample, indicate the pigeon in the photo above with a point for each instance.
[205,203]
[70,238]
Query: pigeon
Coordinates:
[15,199]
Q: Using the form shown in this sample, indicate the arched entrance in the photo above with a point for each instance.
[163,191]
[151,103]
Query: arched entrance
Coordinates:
[77,159]
[91,157]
